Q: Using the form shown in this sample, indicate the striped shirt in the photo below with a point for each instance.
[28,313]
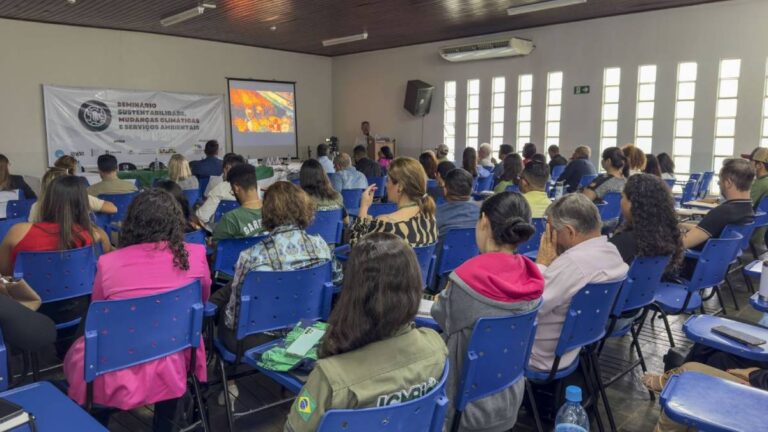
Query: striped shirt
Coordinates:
[419,230]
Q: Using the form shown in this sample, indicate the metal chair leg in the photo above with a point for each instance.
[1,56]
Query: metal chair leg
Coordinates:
[588,380]
[663,314]
[227,402]
[733,294]
[720,300]
[534,406]
[636,343]
[601,389]
[200,403]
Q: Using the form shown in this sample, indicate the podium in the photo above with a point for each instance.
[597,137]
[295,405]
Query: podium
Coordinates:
[375,145]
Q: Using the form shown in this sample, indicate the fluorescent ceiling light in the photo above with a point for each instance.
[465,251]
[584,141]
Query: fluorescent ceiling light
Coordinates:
[542,5]
[346,39]
[187,14]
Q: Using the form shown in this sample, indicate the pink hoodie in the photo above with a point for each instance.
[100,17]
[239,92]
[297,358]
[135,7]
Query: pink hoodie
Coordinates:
[503,277]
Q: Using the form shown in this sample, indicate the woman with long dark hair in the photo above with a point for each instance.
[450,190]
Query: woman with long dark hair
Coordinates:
[616,169]
[173,188]
[10,182]
[510,176]
[498,282]
[372,320]
[315,182]
[385,157]
[429,162]
[667,166]
[469,161]
[152,259]
[652,165]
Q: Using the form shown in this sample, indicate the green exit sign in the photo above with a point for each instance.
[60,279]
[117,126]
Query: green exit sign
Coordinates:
[581,90]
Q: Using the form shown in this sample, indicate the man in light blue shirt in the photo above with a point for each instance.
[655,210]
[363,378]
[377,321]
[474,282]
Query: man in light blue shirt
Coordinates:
[459,210]
[325,161]
[347,177]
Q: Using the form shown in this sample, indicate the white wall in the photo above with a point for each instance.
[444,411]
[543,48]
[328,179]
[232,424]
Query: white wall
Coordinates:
[371,86]
[33,54]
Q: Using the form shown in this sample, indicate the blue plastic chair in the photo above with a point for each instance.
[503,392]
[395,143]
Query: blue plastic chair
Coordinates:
[224,207]
[381,186]
[426,413]
[426,257]
[202,182]
[711,268]
[512,188]
[121,201]
[192,195]
[52,409]
[585,325]
[6,224]
[586,180]
[706,180]
[331,176]
[58,275]
[746,231]
[378,209]
[274,300]
[5,379]
[711,404]
[195,237]
[228,252]
[698,328]
[456,247]
[352,198]
[531,247]
[670,183]
[329,225]
[611,211]
[432,183]
[557,171]
[496,358]
[689,194]
[19,209]
[120,334]
[485,183]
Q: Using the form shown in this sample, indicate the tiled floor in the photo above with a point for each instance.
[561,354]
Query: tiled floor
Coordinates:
[631,405]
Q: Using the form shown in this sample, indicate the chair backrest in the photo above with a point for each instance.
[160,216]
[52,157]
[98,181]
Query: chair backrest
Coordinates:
[432,183]
[689,192]
[426,257]
[485,183]
[706,180]
[761,219]
[587,179]
[381,186]
[670,182]
[696,177]
[639,288]
[202,182]
[557,171]
[378,209]
[5,226]
[533,243]
[272,300]
[224,207]
[458,245]
[611,211]
[745,230]
[121,201]
[58,275]
[4,378]
[496,356]
[192,195]
[124,333]
[587,316]
[126,166]
[19,208]
[426,413]
[228,252]
[512,188]
[328,224]
[195,237]
[713,263]
[763,204]
[352,198]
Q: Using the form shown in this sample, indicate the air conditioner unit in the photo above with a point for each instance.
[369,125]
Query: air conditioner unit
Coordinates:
[487,49]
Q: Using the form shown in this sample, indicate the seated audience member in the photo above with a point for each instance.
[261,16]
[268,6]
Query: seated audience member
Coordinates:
[152,259]
[414,220]
[372,320]
[385,158]
[220,192]
[109,183]
[572,254]
[94,204]
[428,161]
[441,153]
[244,221]
[469,161]
[636,159]
[325,161]
[529,149]
[179,172]
[193,224]
[315,182]
[666,166]
[438,193]
[459,209]
[652,165]
[214,181]
[759,189]
[365,165]
[538,157]
[504,151]
[347,177]
[23,328]
[211,165]
[555,158]
[484,157]
[650,223]
[513,167]
[64,224]
[533,183]
[498,282]
[10,182]
[70,164]
[578,167]
[735,182]
[286,214]
[616,171]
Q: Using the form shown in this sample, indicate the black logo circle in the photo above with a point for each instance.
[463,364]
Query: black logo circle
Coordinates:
[94,115]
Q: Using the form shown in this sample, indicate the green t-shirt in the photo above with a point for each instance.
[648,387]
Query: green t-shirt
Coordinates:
[238,223]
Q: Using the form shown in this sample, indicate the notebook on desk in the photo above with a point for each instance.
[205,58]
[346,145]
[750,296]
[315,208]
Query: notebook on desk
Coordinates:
[12,415]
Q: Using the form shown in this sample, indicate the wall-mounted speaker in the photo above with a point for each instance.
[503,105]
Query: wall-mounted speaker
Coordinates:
[418,97]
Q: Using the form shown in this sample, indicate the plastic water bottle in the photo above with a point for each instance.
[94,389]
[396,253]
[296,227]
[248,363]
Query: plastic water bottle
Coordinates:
[571,417]
[559,188]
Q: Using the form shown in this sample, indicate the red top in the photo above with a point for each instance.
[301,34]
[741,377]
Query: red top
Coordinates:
[44,236]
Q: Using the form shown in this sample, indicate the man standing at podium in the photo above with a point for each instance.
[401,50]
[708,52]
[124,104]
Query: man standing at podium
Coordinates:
[363,139]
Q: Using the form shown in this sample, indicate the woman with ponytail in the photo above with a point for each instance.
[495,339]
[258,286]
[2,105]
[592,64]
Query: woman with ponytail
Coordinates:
[498,282]
[615,177]
[414,219]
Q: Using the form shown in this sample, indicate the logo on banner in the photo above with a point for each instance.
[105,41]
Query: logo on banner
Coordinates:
[94,115]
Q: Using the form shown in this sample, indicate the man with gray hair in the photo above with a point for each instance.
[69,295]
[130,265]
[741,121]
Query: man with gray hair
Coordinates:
[347,177]
[572,254]
[484,156]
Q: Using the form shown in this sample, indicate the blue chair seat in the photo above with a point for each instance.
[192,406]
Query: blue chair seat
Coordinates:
[670,297]
[285,379]
[699,329]
[543,376]
[427,322]
[728,406]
